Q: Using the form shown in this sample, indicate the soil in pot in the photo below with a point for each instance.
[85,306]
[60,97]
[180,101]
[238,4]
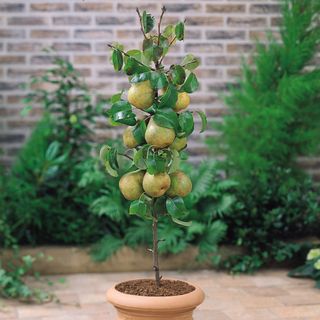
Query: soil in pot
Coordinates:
[148,288]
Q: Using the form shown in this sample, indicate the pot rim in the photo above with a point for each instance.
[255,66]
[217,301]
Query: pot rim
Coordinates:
[185,301]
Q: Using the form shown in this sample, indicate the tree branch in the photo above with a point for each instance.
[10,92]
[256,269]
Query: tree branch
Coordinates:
[159,23]
[141,25]
[142,64]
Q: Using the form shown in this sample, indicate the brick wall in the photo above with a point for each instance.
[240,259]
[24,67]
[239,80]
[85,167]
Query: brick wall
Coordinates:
[218,31]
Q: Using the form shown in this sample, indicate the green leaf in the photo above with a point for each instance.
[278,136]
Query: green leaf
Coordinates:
[204,121]
[169,98]
[160,205]
[175,161]
[117,60]
[141,207]
[175,207]
[178,75]
[140,156]
[191,84]
[158,80]
[116,97]
[147,22]
[186,123]
[52,150]
[121,112]
[157,161]
[147,44]
[133,67]
[153,53]
[168,30]
[105,248]
[179,30]
[108,156]
[182,223]
[25,110]
[141,77]
[166,118]
[190,62]
[139,131]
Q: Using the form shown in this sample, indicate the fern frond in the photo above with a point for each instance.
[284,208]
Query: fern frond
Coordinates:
[105,248]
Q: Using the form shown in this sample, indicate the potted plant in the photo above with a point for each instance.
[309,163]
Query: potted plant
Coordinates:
[158,127]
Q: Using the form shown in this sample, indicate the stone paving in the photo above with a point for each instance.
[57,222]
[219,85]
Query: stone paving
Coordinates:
[268,295]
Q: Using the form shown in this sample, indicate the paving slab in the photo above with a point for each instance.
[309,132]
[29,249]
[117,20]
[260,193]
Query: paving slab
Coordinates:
[267,295]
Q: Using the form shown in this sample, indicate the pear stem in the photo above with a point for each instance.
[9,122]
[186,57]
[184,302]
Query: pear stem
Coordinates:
[155,252]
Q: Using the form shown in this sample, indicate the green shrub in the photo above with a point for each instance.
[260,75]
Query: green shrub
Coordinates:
[273,118]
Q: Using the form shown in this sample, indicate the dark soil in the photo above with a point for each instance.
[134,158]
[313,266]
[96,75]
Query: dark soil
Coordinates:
[147,287]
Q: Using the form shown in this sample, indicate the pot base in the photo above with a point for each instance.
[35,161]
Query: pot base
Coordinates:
[133,307]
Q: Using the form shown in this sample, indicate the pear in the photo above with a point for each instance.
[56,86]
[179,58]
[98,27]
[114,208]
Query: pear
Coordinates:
[130,185]
[128,138]
[182,102]
[157,136]
[156,185]
[178,143]
[180,186]
[141,95]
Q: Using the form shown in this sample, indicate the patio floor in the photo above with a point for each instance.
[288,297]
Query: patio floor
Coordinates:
[268,295]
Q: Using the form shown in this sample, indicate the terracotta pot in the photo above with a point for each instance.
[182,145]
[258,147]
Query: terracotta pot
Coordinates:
[132,307]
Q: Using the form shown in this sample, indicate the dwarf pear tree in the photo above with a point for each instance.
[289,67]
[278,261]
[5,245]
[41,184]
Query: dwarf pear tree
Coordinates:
[158,122]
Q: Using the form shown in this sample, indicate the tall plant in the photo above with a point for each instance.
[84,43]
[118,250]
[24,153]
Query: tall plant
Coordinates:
[158,132]
[274,112]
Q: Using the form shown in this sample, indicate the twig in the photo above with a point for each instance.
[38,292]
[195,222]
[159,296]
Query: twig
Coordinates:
[159,23]
[127,55]
[141,25]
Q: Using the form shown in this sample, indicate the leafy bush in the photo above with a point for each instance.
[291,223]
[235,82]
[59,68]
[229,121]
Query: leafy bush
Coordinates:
[274,118]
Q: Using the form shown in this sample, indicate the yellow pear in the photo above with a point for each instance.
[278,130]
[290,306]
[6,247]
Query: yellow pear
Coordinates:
[141,95]
[128,138]
[130,185]
[157,136]
[182,102]
[178,143]
[180,186]
[156,185]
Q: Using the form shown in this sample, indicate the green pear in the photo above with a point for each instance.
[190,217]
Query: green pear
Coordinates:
[178,143]
[157,136]
[128,138]
[141,95]
[156,185]
[130,185]
[180,186]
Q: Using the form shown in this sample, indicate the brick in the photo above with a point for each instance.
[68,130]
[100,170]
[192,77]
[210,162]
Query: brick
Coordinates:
[10,138]
[91,59]
[225,34]
[12,33]
[183,7]
[26,21]
[204,21]
[71,20]
[21,124]
[24,72]
[109,73]
[24,47]
[12,59]
[71,46]
[208,73]
[45,59]
[225,8]
[265,8]
[246,22]
[276,21]
[115,21]
[93,6]
[4,86]
[12,7]
[240,48]
[234,72]
[193,34]
[128,34]
[93,34]
[14,99]
[131,7]
[203,47]
[59,6]
[262,35]
[51,34]
[223,61]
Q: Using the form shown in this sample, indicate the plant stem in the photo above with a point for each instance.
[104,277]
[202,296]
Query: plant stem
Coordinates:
[163,10]
[155,252]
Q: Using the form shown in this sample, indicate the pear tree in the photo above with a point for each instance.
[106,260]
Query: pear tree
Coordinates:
[155,111]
